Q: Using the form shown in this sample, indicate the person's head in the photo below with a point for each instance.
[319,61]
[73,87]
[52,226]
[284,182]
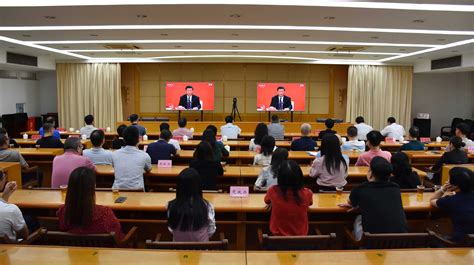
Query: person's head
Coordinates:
[89,119]
[131,136]
[4,141]
[165,135]
[267,145]
[73,144]
[189,90]
[456,143]
[290,177]
[229,119]
[329,123]
[281,91]
[3,131]
[120,130]
[260,131]
[462,130]
[360,119]
[305,129]
[380,170]
[164,126]
[414,133]
[212,128]
[80,197]
[352,132]
[391,120]
[203,152]
[279,156]
[210,137]
[133,118]
[3,179]
[462,178]
[51,120]
[189,211]
[97,138]
[182,122]
[331,150]
[401,165]
[275,118]
[374,138]
[48,129]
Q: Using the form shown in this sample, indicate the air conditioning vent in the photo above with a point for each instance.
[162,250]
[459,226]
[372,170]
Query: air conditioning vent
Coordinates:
[121,47]
[446,62]
[346,48]
[16,58]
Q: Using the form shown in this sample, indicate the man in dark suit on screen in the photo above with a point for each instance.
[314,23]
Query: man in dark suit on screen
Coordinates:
[189,101]
[280,101]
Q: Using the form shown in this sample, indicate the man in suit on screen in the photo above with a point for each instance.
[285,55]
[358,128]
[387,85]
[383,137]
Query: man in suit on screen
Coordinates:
[280,101]
[189,101]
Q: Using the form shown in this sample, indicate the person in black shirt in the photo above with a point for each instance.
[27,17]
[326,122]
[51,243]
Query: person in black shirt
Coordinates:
[118,143]
[457,156]
[379,201]
[305,143]
[329,124]
[161,149]
[403,175]
[11,140]
[48,141]
[209,168]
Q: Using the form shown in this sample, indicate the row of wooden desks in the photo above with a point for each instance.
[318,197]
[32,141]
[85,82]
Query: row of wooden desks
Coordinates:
[31,142]
[27,255]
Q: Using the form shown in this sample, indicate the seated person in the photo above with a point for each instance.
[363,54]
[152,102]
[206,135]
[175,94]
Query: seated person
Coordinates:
[191,218]
[12,142]
[414,143]
[161,149]
[130,162]
[305,143]
[462,131]
[218,148]
[373,142]
[48,141]
[289,201]
[264,158]
[362,128]
[118,142]
[134,120]
[230,130]
[393,129]
[209,169]
[89,128]
[379,202]
[459,206]
[456,156]
[353,144]
[275,129]
[403,174]
[64,164]
[260,131]
[97,154]
[331,168]
[329,125]
[12,223]
[80,214]
[182,130]
[174,142]
[268,174]
[51,121]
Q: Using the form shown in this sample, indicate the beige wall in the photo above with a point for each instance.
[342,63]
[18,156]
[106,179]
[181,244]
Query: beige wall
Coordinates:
[144,85]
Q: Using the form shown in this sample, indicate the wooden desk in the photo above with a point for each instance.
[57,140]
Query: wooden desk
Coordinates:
[373,257]
[27,255]
[107,170]
[39,152]
[447,168]
[31,143]
[62,134]
[13,171]
[235,145]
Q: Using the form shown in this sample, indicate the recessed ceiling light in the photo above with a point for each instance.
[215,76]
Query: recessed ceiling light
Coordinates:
[178,46]
[374,37]
[235,15]
[292,47]
[418,21]
[305,36]
[329,18]
[94,35]
[66,47]
[440,39]
[141,16]
[50,17]
[235,46]
[235,34]
[26,35]
[402,50]
[164,34]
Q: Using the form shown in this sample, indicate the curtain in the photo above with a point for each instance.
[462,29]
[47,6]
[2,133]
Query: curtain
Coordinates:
[379,92]
[89,88]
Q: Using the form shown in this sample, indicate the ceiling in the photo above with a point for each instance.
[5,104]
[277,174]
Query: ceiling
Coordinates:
[300,31]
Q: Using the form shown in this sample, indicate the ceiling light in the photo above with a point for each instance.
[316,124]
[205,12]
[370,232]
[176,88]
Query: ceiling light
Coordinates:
[94,35]
[305,36]
[402,50]
[142,16]
[329,18]
[66,47]
[26,35]
[440,39]
[374,37]
[235,46]
[50,17]
[418,21]
[178,46]
[235,15]
[235,34]
[292,47]
[164,34]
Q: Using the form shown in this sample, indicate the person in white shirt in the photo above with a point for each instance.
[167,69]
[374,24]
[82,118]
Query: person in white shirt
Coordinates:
[89,128]
[353,144]
[97,154]
[229,129]
[462,131]
[362,128]
[393,129]
[173,142]
[12,223]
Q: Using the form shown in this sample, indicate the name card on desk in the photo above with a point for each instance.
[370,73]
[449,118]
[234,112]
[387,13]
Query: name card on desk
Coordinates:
[470,149]
[165,163]
[178,138]
[35,137]
[239,191]
[425,139]
[390,140]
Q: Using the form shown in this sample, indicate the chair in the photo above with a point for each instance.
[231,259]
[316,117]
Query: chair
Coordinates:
[468,241]
[390,240]
[90,240]
[309,242]
[32,238]
[222,244]
[448,131]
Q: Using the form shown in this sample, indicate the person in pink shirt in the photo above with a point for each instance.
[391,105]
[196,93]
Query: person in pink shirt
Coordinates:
[373,142]
[64,164]
[182,130]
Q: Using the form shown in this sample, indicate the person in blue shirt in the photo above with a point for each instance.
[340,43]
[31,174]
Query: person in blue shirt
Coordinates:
[51,121]
[305,143]
[161,149]
[353,144]
[414,144]
[134,120]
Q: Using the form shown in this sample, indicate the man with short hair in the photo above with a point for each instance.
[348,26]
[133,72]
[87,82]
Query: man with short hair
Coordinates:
[51,121]
[281,101]
[134,120]
[174,142]
[182,130]
[353,144]
[229,129]
[393,129]
[373,142]
[89,128]
[414,143]
[11,140]
[97,154]
[189,101]
[275,129]
[64,164]
[12,223]
[161,149]
[462,130]
[48,141]
[305,143]
[362,128]
[329,125]
[129,162]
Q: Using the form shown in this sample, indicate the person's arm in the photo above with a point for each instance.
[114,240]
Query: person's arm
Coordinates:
[198,105]
[360,161]
[436,167]
[385,131]
[90,164]
[224,151]
[435,199]
[173,150]
[147,163]
[267,198]
[220,169]
[314,172]
[211,216]
[114,225]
